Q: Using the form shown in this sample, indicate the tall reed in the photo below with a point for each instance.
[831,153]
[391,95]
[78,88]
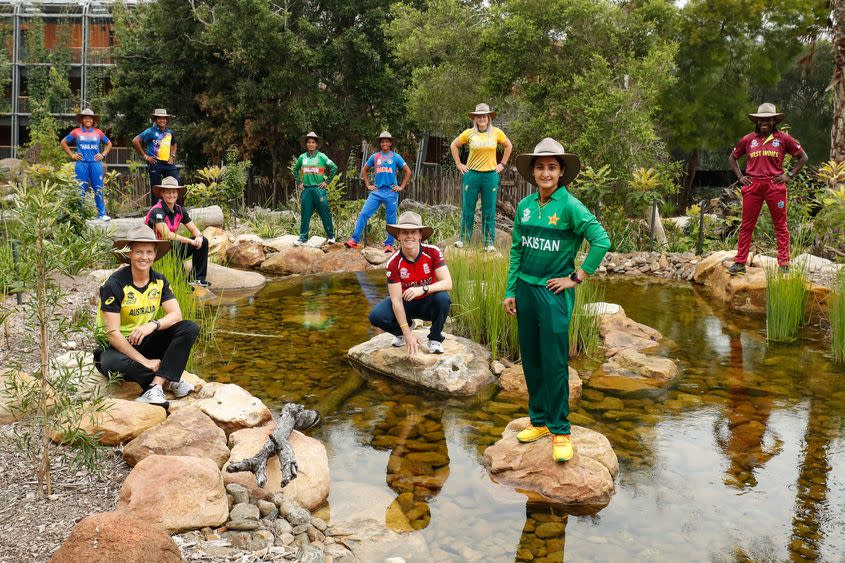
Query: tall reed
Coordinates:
[837,318]
[478,289]
[172,267]
[584,324]
[786,303]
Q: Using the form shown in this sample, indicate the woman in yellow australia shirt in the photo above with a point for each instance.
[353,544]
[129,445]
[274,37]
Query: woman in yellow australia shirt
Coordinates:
[481,173]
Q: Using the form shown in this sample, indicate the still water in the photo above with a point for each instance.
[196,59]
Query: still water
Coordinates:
[743,459]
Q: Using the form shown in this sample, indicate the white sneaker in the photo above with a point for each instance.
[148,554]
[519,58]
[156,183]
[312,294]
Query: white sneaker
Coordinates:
[154,396]
[179,388]
[490,248]
[104,218]
[459,244]
[331,241]
[398,341]
[435,347]
[299,242]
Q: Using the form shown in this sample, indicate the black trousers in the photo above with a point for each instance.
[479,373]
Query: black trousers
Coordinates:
[198,256]
[172,346]
[433,307]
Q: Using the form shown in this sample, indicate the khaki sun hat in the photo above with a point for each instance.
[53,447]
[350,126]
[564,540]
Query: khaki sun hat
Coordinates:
[766,110]
[385,135]
[169,183]
[549,147]
[87,112]
[139,233]
[482,109]
[161,112]
[312,135]
[410,220]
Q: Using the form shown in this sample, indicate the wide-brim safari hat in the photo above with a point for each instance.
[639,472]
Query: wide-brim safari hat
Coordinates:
[169,183]
[766,110]
[549,147]
[311,135]
[161,112]
[87,112]
[482,109]
[139,233]
[410,220]
[385,135]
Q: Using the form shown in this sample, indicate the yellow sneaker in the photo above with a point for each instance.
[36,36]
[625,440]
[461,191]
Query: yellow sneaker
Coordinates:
[532,434]
[562,447]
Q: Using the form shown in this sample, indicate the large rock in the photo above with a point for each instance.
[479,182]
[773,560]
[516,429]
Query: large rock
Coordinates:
[586,480]
[311,486]
[620,332]
[211,216]
[632,387]
[108,537]
[293,260]
[177,493]
[277,244]
[219,241]
[342,260]
[187,432]
[463,369]
[375,256]
[248,254]
[512,380]
[231,407]
[225,279]
[119,421]
[630,363]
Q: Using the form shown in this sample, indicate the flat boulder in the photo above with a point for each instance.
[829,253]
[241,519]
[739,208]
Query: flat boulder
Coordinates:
[630,363]
[119,421]
[621,332]
[187,432]
[512,380]
[247,254]
[463,369]
[632,387]
[293,260]
[342,260]
[375,256]
[585,481]
[110,536]
[176,493]
[225,279]
[277,244]
[219,241]
[310,488]
[231,407]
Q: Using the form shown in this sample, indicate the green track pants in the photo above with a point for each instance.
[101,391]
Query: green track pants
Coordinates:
[543,322]
[314,197]
[486,184]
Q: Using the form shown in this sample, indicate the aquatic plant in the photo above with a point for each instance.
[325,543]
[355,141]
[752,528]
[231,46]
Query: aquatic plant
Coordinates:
[837,318]
[786,302]
[478,289]
[584,325]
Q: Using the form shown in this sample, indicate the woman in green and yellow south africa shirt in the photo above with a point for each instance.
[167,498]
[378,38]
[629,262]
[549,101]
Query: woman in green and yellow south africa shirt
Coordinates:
[547,232]
[481,173]
[314,170]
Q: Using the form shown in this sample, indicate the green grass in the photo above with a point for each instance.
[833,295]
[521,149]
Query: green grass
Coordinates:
[584,335]
[478,289]
[786,303]
[192,309]
[837,318]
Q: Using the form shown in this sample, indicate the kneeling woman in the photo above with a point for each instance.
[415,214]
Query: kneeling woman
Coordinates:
[547,233]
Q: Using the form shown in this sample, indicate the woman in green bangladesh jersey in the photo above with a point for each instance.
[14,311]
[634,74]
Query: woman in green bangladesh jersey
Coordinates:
[314,170]
[547,232]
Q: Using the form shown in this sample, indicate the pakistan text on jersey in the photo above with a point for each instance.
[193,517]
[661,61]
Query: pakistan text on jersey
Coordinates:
[143,310]
[538,243]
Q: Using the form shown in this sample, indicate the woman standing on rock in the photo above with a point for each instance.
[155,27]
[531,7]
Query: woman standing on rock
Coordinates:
[764,180]
[314,170]
[547,232]
[481,173]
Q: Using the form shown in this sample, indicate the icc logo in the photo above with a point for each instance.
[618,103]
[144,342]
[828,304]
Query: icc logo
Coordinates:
[781,204]
[403,273]
[525,215]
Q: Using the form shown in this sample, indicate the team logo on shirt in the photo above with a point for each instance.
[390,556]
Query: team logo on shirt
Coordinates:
[775,143]
[526,215]
[754,143]
[130,299]
[426,269]
[154,292]
[403,273]
[781,204]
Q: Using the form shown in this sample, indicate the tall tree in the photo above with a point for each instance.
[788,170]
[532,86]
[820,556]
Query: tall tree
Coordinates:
[837,131]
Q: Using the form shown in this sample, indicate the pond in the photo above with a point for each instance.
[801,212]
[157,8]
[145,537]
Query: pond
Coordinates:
[742,459]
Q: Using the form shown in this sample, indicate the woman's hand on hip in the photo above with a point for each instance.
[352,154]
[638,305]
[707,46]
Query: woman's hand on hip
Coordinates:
[462,168]
[510,306]
[500,167]
[780,179]
[559,284]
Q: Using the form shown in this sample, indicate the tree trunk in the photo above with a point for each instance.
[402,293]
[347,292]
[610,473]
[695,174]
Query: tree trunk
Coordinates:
[837,131]
[683,199]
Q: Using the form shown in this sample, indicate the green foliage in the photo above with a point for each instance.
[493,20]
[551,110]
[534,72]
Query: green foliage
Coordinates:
[837,318]
[786,302]
[478,289]
[829,223]
[585,323]
[594,185]
[223,186]
[55,399]
[266,224]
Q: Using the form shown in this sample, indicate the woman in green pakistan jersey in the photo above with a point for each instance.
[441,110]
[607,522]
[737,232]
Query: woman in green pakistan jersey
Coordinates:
[314,170]
[548,230]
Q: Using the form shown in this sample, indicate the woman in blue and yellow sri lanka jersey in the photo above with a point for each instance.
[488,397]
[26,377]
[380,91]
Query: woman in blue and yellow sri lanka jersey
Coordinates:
[481,173]
[159,150]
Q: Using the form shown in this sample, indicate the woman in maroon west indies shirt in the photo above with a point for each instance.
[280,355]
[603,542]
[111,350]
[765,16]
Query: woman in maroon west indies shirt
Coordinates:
[764,180]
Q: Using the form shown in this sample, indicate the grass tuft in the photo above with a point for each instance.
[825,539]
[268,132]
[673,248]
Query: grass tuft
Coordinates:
[786,303]
[837,318]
